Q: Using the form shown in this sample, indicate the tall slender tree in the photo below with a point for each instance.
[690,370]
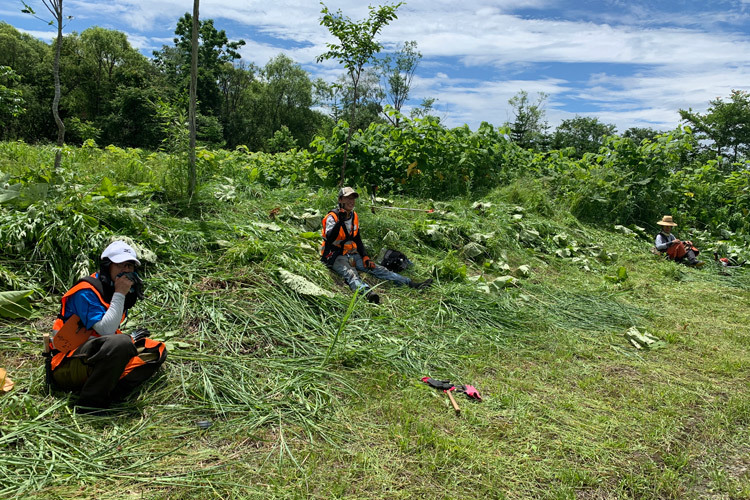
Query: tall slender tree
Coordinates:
[193,98]
[397,75]
[55,7]
[355,49]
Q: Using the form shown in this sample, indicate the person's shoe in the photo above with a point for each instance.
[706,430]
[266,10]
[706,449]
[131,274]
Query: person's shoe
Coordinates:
[372,297]
[426,283]
[699,263]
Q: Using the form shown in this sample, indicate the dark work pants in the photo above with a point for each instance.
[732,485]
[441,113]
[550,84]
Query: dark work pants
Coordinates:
[95,368]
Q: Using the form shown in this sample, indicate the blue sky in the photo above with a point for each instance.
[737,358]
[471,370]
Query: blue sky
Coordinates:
[630,63]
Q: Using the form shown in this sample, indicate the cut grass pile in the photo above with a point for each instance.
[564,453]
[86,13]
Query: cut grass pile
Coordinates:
[309,397]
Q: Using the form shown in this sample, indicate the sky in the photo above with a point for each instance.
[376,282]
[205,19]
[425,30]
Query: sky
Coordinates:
[631,63]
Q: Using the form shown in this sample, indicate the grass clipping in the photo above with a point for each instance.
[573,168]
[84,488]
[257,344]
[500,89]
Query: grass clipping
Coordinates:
[301,285]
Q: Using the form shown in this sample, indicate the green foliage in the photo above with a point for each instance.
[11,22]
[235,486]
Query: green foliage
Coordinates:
[528,129]
[725,124]
[281,141]
[397,73]
[11,99]
[451,268]
[15,304]
[583,134]
[624,183]
[421,156]
[356,48]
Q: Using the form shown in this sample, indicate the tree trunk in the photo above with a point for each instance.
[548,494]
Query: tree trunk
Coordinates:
[352,115]
[56,100]
[193,99]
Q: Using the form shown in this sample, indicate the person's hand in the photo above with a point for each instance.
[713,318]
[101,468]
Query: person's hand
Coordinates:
[367,261]
[123,284]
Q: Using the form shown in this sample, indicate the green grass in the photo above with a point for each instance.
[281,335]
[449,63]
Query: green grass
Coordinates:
[306,405]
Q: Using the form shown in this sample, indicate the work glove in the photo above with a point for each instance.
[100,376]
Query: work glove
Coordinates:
[140,333]
[368,263]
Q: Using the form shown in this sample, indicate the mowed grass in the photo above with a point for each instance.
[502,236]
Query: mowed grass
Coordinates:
[570,410]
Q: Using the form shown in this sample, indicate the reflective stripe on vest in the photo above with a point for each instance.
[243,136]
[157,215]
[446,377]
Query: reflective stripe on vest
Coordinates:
[348,243]
[82,285]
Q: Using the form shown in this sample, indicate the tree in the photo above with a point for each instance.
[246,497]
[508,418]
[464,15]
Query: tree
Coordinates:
[356,48]
[193,97]
[28,58]
[338,97]
[639,134]
[11,99]
[397,74]
[585,134]
[425,108]
[215,50]
[528,129]
[55,7]
[725,124]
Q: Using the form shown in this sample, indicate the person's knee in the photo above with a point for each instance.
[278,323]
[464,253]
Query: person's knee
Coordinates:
[116,347]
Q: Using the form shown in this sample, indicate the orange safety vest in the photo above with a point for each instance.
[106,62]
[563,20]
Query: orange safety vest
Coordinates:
[343,241]
[58,357]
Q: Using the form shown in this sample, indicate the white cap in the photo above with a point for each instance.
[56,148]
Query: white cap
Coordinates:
[119,252]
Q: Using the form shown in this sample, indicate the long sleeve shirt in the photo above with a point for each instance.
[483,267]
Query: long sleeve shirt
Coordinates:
[663,240]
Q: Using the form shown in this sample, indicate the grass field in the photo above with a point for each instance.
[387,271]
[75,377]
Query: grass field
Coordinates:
[306,404]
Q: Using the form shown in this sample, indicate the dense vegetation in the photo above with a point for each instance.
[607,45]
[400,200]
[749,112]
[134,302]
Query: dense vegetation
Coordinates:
[313,395]
[538,242]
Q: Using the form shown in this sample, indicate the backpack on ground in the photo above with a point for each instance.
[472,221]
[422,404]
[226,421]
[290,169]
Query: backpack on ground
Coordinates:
[395,261]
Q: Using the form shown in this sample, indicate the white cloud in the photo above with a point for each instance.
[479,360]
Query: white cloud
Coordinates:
[47,36]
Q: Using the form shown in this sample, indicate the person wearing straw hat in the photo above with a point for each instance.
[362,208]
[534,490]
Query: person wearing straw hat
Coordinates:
[342,249]
[89,353]
[675,249]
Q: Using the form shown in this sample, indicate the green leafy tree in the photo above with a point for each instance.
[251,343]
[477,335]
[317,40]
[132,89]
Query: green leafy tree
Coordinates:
[397,73]
[584,134]
[639,134]
[28,58]
[11,99]
[239,88]
[425,108]
[726,124]
[528,128]
[338,98]
[355,49]
[214,51]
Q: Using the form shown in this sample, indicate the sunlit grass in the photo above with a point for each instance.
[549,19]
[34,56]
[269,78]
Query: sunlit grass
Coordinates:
[305,404]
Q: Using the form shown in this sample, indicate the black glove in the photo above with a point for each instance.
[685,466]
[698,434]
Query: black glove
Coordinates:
[140,333]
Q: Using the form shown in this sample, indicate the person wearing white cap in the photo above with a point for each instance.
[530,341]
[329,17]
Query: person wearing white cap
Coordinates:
[89,352]
[675,249]
[343,251]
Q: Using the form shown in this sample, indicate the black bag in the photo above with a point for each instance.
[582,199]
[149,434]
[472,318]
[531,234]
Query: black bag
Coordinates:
[395,261]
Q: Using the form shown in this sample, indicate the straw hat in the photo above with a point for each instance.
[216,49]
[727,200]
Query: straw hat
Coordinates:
[666,221]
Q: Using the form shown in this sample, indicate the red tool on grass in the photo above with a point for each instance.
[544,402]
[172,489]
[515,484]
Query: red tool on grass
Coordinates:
[447,387]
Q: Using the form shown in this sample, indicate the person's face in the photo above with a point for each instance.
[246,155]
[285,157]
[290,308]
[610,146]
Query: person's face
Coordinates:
[667,229]
[123,267]
[347,202]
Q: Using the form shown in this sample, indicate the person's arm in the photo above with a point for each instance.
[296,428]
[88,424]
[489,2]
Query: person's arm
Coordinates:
[110,322]
[332,230]
[362,251]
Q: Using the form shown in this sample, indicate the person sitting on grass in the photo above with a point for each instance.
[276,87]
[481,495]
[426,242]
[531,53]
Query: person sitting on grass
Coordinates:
[343,251]
[679,251]
[89,353]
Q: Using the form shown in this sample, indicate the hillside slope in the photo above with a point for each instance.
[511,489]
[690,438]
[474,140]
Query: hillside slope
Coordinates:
[316,396]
